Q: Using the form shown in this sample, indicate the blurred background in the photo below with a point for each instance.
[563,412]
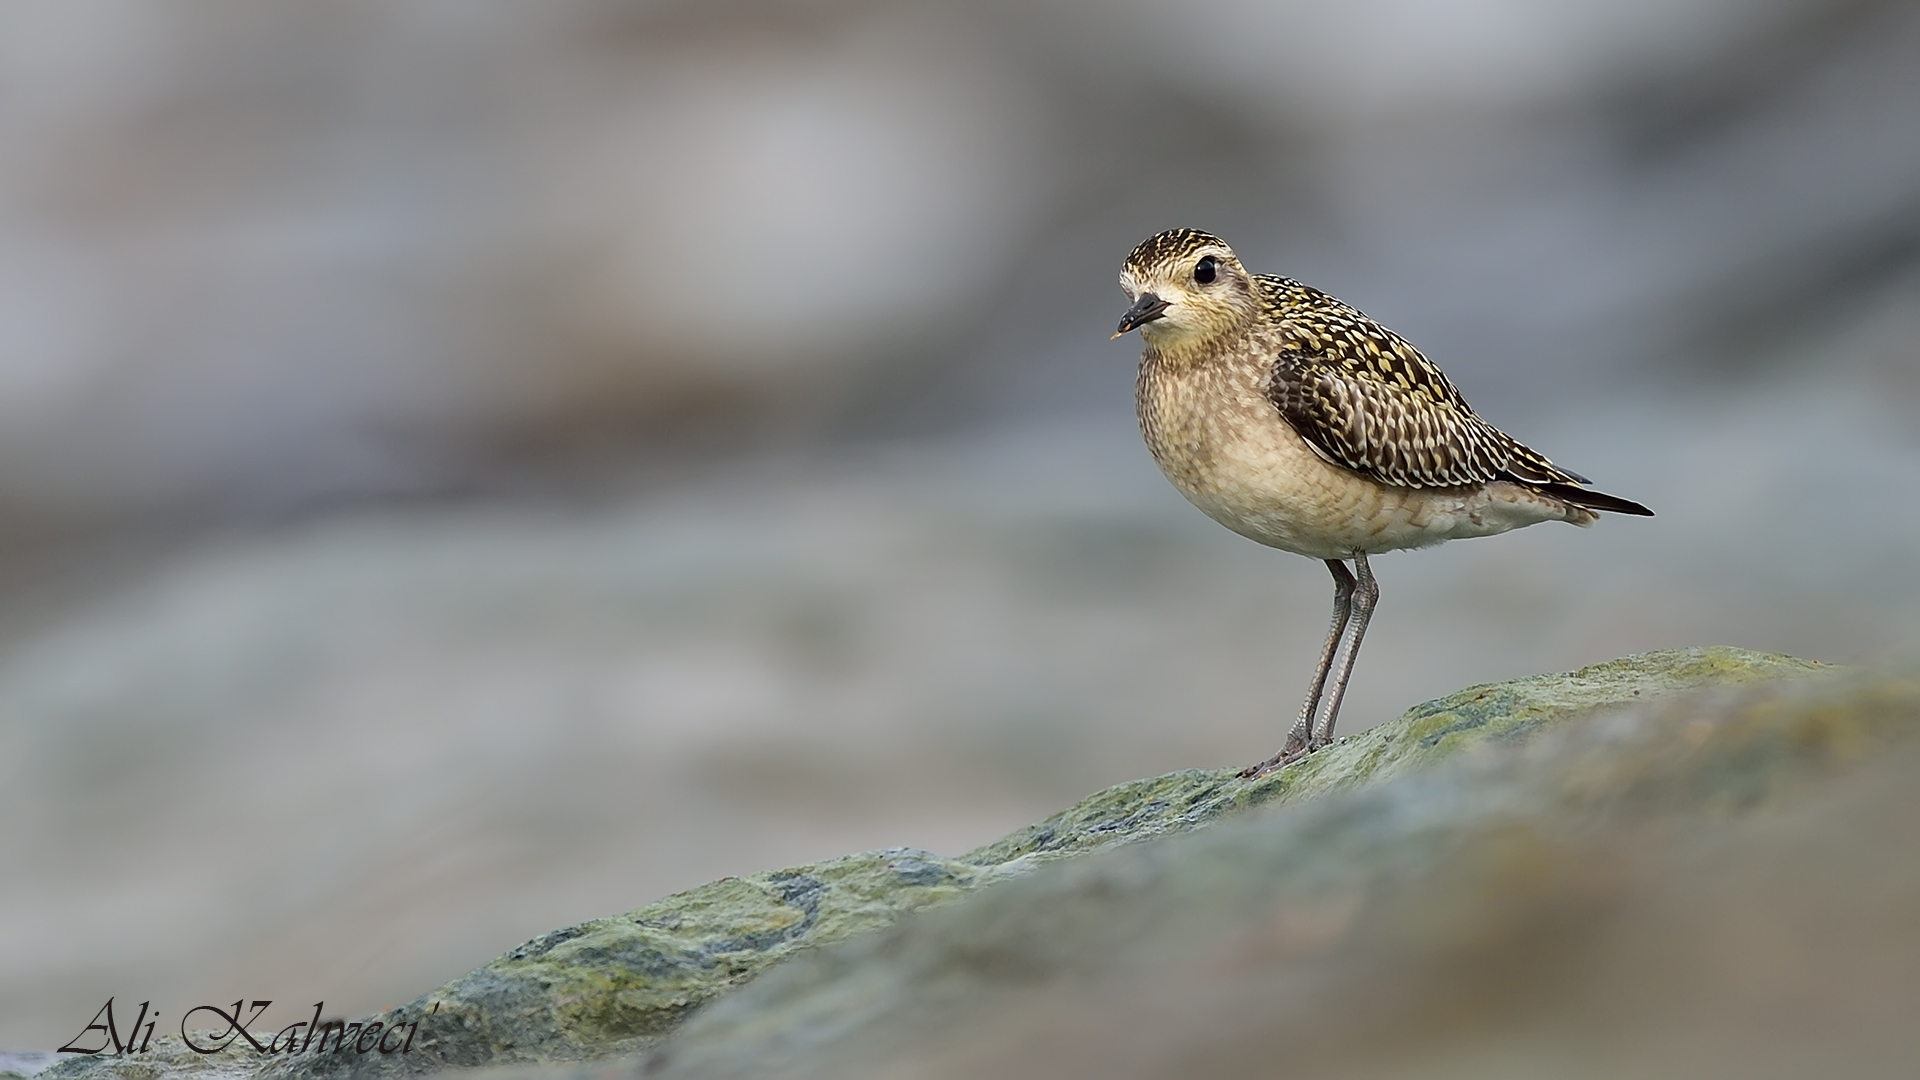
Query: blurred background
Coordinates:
[470,467]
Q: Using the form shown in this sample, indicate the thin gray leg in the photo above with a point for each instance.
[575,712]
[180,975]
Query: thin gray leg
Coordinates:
[1298,737]
[1365,596]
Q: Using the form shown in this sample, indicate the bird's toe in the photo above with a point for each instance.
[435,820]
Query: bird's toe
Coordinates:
[1294,750]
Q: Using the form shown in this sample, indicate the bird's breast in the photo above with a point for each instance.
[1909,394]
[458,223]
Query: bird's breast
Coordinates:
[1223,444]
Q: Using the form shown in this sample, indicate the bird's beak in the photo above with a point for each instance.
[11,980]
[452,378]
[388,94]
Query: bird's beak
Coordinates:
[1144,310]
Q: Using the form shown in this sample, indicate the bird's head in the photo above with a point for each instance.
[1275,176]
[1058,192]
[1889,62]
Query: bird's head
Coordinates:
[1187,288]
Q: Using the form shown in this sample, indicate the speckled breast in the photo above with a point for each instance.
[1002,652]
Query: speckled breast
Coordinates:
[1215,435]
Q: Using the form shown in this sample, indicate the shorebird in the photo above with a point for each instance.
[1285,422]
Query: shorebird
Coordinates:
[1302,424]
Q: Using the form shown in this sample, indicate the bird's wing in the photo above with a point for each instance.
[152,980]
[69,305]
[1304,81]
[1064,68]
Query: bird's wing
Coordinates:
[1366,399]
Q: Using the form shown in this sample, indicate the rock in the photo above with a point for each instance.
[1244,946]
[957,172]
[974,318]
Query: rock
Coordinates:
[1496,712]
[1718,884]
[621,984]
[165,1059]
[21,1064]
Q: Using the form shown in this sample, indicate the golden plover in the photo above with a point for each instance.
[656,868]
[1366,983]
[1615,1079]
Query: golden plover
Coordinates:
[1298,422]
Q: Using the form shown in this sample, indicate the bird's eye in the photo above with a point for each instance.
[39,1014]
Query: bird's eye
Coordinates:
[1203,270]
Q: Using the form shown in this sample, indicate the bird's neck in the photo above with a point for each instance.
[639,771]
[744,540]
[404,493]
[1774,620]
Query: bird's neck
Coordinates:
[1179,352]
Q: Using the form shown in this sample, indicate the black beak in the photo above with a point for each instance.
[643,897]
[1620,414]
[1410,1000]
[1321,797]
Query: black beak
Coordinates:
[1144,310]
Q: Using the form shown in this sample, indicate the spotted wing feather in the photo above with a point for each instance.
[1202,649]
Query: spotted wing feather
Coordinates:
[1368,400]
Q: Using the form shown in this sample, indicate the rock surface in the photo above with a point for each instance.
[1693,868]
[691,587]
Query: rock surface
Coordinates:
[1717,884]
[622,984]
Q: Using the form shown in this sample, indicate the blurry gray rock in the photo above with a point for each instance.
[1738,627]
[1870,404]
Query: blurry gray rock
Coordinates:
[622,983]
[23,1063]
[328,251]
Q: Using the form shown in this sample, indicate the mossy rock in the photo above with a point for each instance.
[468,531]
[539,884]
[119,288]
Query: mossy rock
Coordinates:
[1489,714]
[620,984]
[1714,885]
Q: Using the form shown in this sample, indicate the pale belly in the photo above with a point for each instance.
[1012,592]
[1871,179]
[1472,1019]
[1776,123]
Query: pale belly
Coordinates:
[1248,470]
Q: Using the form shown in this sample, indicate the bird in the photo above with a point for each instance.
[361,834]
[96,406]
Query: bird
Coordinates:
[1300,423]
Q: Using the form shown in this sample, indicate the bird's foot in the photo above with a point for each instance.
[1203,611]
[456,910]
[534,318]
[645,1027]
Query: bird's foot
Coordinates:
[1295,749]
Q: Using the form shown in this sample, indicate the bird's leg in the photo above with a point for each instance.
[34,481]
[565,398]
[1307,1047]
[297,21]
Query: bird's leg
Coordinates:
[1297,738]
[1365,595]
[1343,586]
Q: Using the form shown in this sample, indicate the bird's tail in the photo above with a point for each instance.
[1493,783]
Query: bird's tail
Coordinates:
[1594,500]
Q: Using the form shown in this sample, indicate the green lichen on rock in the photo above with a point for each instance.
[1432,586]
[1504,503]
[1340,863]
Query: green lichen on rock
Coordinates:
[1716,884]
[1424,734]
[166,1058]
[620,984]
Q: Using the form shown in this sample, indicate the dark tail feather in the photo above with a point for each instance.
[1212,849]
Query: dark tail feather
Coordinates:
[1594,500]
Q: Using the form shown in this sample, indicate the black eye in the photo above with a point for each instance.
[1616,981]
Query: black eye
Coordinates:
[1203,270]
